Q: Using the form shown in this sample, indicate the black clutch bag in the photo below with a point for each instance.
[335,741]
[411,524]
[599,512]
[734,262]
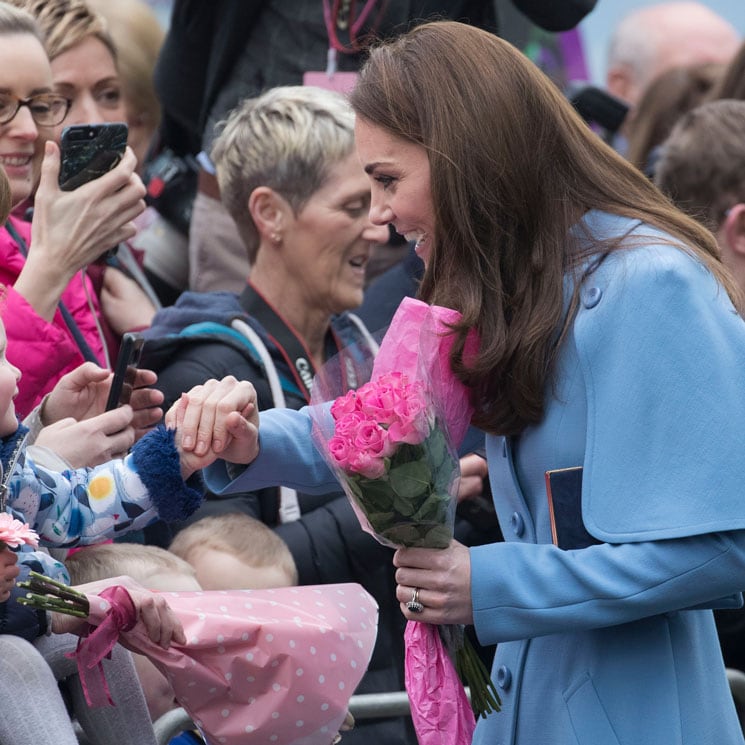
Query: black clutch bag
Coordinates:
[564,492]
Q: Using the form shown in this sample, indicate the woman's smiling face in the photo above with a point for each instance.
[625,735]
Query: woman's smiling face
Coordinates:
[24,72]
[400,176]
[328,243]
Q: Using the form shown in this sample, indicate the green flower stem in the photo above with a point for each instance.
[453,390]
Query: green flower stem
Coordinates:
[475,676]
[41,583]
[53,605]
[48,594]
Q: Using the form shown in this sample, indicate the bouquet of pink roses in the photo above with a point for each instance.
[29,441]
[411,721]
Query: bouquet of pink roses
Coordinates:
[395,461]
[391,443]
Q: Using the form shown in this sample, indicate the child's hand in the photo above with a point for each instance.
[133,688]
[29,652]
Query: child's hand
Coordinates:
[216,420]
[8,572]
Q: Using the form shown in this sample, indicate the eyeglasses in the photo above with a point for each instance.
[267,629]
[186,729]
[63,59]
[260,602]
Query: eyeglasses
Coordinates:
[47,109]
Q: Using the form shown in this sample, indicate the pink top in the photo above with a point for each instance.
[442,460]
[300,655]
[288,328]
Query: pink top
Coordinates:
[43,351]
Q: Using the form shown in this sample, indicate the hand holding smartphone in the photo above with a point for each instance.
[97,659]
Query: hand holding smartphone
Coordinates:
[125,370]
[90,150]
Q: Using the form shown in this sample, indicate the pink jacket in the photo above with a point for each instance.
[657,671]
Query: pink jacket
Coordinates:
[43,351]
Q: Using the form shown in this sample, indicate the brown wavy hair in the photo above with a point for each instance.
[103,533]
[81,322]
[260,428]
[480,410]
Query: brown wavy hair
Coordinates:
[513,168]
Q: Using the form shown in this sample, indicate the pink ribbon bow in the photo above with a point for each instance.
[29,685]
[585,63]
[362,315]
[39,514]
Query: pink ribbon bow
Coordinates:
[98,641]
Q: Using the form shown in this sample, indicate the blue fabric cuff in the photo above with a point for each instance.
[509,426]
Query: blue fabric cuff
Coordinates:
[158,465]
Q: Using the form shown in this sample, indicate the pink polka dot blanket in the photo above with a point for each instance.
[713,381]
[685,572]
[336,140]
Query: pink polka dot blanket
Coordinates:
[260,666]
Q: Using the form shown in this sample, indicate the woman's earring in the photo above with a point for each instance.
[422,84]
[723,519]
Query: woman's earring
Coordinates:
[276,238]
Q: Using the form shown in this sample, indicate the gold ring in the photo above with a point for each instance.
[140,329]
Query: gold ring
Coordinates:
[414,605]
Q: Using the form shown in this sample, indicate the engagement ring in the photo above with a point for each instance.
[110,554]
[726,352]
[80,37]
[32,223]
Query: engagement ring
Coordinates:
[414,605]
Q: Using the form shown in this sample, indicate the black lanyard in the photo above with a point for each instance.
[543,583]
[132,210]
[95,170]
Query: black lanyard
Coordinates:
[77,334]
[282,335]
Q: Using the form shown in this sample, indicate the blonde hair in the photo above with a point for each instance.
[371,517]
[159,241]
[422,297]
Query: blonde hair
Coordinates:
[240,535]
[113,559]
[65,23]
[286,139]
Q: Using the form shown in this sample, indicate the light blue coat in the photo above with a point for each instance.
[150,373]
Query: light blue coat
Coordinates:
[600,646]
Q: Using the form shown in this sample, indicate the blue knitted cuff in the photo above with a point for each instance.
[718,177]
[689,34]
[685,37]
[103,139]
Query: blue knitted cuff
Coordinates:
[158,465]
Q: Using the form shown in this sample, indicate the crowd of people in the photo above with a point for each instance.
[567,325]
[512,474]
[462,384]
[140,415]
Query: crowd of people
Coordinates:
[293,171]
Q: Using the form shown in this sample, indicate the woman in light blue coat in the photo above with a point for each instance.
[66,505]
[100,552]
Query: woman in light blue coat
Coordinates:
[611,340]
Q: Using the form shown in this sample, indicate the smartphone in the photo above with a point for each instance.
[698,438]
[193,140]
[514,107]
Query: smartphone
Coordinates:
[125,371]
[90,150]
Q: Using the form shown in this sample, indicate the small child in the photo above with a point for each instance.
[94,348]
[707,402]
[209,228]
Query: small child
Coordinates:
[234,551]
[89,505]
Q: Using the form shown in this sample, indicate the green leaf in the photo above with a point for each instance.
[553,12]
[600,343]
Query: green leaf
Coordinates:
[381,521]
[409,480]
[438,537]
[432,509]
[405,534]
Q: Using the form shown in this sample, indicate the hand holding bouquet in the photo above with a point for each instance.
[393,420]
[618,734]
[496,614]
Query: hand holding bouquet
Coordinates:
[391,445]
[256,665]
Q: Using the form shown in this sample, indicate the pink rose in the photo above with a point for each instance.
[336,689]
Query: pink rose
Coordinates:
[367,465]
[378,399]
[339,449]
[345,405]
[348,425]
[412,423]
[372,439]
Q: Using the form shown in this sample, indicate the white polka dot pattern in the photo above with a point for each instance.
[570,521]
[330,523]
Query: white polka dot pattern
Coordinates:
[263,662]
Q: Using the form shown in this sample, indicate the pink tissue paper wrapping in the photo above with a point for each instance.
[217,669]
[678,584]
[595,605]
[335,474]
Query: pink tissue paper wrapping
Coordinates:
[265,666]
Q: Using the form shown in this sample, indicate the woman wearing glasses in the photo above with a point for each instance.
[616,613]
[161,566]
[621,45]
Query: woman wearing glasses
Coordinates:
[51,312]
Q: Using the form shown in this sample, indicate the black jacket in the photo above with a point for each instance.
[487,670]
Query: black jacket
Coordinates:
[204,41]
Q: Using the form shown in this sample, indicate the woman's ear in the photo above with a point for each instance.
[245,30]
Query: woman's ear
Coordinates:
[733,232]
[268,211]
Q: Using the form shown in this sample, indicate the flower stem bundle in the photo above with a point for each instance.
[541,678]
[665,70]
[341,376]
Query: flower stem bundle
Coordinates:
[47,594]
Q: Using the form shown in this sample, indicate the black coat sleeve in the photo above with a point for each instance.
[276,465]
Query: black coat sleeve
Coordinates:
[193,365]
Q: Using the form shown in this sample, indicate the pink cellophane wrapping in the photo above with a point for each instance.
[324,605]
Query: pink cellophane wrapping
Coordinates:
[260,666]
[440,709]
[418,343]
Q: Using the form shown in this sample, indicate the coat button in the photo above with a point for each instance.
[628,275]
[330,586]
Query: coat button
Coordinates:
[504,677]
[591,297]
[517,524]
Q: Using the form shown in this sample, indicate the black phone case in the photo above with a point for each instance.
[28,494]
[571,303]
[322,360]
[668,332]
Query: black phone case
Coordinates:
[125,371]
[89,151]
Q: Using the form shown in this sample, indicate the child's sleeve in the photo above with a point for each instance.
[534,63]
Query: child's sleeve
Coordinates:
[89,505]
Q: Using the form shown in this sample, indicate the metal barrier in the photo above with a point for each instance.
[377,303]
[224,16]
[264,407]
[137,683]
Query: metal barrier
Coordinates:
[377,705]
[362,706]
